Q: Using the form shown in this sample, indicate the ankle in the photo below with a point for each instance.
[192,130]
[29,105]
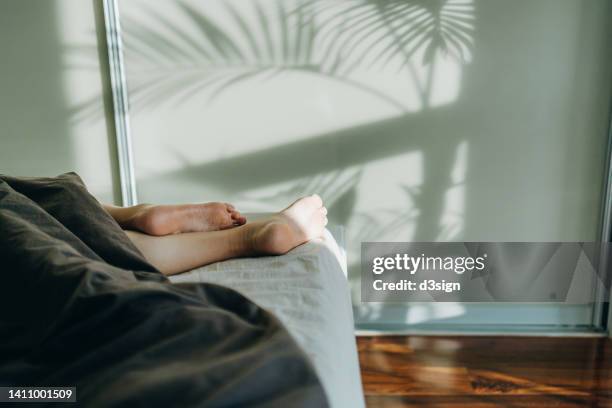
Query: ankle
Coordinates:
[273,237]
[242,241]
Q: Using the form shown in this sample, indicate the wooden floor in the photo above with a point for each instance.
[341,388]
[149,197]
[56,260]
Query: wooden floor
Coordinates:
[486,371]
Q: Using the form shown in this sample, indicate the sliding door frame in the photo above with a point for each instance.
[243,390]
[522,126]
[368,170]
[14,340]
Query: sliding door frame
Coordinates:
[602,316]
[121,114]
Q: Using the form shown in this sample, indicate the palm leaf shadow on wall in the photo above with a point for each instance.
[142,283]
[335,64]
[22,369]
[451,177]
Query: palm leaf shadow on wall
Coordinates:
[325,38]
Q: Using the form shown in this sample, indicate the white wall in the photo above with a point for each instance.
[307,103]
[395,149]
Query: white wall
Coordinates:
[49,68]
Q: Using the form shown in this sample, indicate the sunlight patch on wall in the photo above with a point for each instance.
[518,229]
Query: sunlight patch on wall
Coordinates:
[385,207]
[453,215]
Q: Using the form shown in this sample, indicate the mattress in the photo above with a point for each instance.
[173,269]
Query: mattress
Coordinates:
[308,291]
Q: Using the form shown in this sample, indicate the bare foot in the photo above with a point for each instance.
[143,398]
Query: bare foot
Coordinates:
[302,221]
[174,219]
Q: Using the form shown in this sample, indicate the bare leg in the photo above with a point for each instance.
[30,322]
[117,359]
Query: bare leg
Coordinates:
[276,235]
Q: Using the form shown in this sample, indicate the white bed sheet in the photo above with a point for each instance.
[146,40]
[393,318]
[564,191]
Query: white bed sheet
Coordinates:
[307,290]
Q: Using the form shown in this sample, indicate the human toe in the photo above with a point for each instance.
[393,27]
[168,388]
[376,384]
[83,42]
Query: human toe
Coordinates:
[317,200]
[238,218]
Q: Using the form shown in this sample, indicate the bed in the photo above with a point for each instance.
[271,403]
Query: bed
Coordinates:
[307,291]
[81,307]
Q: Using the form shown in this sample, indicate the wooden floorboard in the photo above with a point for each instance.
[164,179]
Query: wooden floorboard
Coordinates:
[407,371]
